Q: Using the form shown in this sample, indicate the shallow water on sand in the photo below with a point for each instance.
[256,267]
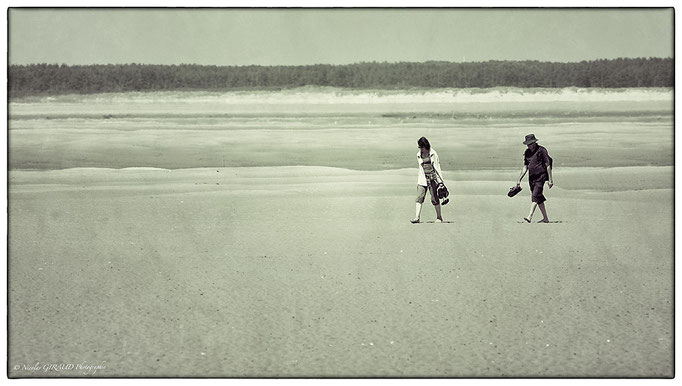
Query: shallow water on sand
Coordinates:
[361,131]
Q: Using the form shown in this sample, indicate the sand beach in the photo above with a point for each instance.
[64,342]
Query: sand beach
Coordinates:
[273,239]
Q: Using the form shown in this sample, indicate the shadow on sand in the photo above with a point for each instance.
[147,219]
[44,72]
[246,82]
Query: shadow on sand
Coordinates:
[539,222]
[433,222]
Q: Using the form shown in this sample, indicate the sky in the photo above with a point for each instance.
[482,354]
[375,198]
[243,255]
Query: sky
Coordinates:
[334,36]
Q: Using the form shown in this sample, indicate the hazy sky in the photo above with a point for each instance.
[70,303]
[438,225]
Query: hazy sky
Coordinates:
[334,36]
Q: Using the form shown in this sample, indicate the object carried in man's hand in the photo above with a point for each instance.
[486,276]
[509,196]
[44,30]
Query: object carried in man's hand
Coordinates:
[513,191]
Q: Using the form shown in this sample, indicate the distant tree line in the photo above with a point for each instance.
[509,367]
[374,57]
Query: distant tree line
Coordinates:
[36,79]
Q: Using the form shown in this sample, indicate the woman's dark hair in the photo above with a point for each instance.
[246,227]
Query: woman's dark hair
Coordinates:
[423,142]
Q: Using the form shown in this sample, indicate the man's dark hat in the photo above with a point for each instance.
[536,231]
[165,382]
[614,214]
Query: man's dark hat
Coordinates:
[530,138]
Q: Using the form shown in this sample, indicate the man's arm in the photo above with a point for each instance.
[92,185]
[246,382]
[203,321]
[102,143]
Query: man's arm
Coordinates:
[523,173]
[549,168]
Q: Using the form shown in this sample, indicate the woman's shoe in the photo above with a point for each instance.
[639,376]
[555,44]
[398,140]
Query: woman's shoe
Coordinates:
[414,220]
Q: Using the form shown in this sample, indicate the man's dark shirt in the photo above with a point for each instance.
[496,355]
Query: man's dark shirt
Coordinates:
[537,163]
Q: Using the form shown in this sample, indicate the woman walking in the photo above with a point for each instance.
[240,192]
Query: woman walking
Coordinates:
[427,179]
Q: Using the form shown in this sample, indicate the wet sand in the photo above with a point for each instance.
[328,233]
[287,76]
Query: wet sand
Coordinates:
[317,272]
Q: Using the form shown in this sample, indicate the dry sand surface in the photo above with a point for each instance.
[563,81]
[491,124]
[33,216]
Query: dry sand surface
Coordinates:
[308,271]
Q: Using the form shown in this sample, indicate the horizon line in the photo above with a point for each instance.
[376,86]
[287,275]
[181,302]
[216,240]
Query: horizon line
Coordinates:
[339,64]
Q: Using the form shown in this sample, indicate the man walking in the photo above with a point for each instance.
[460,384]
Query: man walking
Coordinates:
[538,163]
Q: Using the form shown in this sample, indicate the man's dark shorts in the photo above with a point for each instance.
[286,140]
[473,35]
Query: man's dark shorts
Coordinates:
[537,184]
